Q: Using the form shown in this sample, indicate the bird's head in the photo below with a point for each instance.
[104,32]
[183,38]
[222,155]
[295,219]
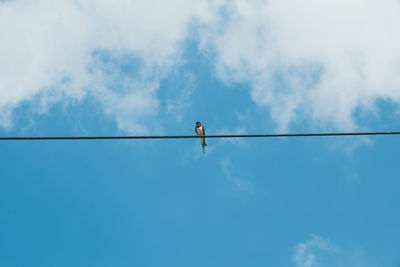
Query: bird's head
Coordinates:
[198,123]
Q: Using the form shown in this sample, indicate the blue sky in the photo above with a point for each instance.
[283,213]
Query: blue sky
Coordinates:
[252,202]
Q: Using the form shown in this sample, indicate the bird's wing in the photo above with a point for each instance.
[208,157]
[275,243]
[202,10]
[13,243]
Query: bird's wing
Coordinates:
[203,130]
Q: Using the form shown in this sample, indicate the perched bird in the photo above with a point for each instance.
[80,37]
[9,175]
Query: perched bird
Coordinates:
[200,130]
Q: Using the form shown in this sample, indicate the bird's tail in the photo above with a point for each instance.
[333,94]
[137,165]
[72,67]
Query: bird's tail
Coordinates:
[203,144]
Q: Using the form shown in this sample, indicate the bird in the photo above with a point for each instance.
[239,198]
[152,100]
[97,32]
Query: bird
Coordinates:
[200,130]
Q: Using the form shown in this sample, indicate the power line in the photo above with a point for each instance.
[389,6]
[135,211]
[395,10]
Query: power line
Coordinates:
[192,136]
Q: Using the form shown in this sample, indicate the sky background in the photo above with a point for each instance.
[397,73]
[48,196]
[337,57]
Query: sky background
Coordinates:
[88,68]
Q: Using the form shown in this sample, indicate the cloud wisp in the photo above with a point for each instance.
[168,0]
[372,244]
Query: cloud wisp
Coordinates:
[318,251]
[237,184]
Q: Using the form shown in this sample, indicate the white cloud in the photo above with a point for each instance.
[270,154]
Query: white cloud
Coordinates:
[48,48]
[320,252]
[311,60]
[323,59]
[307,253]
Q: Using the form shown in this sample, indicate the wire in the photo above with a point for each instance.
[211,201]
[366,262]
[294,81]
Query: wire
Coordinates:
[193,136]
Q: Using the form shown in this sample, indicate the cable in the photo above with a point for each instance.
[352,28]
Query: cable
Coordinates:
[193,136]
